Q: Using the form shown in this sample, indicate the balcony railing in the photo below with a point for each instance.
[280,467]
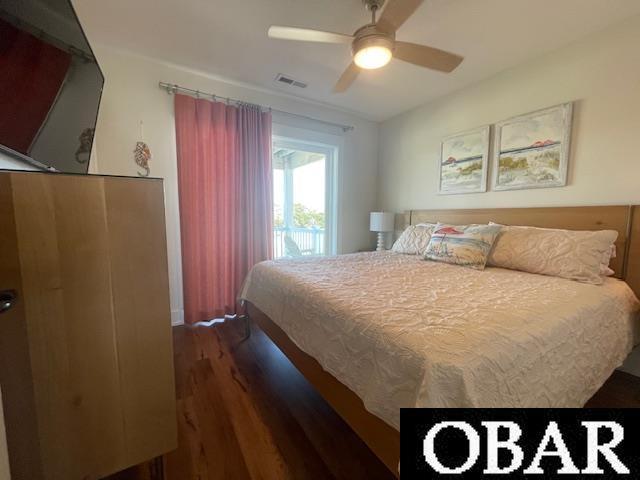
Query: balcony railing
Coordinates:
[309,241]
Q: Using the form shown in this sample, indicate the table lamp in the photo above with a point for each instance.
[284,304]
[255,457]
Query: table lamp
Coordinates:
[381,222]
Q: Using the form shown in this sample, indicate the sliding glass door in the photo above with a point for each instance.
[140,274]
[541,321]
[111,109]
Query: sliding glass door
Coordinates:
[303,198]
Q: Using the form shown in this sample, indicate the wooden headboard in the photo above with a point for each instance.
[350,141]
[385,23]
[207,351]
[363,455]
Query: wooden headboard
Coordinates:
[622,218]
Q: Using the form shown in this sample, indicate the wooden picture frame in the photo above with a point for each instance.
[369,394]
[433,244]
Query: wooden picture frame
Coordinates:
[532,150]
[464,161]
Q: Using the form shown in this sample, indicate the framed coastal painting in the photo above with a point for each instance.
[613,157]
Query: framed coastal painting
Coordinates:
[463,162]
[532,150]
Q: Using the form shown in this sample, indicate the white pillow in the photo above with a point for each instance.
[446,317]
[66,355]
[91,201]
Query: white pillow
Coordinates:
[576,255]
[606,259]
[605,270]
[414,239]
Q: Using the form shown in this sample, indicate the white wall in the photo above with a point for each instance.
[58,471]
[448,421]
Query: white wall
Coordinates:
[131,95]
[601,74]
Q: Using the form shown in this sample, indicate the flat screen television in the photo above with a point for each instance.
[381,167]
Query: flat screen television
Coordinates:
[50,86]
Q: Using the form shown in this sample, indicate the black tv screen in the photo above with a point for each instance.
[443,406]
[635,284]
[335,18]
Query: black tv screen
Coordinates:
[50,85]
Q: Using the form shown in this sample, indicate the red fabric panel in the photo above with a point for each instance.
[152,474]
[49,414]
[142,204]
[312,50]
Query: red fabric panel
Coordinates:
[225,190]
[31,74]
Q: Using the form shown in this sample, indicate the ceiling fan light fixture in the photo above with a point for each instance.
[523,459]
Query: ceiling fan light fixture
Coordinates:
[372,52]
[374,45]
[374,57]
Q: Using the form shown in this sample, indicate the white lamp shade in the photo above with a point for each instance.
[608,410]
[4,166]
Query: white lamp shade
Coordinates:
[381,221]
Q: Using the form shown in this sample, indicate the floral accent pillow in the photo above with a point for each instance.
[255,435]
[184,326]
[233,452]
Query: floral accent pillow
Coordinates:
[466,245]
[414,239]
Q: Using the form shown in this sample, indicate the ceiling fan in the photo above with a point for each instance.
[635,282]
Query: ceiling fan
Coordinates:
[375,44]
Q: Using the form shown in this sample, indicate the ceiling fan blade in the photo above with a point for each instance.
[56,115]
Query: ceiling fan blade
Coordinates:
[396,13]
[428,57]
[307,35]
[347,78]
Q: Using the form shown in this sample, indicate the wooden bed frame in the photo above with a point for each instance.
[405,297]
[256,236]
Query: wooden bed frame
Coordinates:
[383,439]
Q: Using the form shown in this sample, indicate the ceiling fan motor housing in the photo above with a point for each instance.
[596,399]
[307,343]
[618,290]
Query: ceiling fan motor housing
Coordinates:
[370,36]
[373,4]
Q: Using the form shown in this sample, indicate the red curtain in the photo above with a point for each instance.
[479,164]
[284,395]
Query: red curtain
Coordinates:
[31,74]
[225,189]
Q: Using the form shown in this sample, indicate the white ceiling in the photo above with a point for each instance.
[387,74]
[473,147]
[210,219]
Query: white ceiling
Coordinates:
[228,38]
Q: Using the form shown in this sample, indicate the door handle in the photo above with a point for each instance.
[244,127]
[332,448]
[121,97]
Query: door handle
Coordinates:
[7,300]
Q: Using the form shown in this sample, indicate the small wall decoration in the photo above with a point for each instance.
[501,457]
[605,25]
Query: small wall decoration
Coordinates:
[84,149]
[463,162]
[142,154]
[532,150]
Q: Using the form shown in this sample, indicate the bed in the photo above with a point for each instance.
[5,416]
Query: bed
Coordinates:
[378,331]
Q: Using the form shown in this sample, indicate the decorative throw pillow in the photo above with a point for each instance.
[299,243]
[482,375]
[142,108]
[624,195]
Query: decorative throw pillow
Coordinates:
[571,254]
[414,239]
[466,245]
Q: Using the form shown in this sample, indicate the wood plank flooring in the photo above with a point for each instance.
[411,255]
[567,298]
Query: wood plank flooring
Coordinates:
[245,412]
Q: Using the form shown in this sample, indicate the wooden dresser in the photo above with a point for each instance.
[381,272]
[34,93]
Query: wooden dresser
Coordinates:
[86,360]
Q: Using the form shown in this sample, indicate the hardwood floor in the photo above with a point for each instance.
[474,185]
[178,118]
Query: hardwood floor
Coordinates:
[245,412]
[622,390]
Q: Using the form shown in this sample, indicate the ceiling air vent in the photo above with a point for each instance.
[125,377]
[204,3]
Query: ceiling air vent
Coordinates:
[290,81]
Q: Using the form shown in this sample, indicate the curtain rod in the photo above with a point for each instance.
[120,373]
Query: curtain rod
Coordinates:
[173,88]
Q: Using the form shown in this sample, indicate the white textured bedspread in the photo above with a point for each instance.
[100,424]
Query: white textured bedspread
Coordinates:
[404,332]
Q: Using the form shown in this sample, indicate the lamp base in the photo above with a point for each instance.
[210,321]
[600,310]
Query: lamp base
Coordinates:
[381,245]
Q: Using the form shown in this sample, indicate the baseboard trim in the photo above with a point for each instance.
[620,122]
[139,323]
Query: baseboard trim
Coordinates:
[177,318]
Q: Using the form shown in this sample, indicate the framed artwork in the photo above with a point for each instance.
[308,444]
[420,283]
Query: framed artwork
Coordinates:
[463,162]
[532,150]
